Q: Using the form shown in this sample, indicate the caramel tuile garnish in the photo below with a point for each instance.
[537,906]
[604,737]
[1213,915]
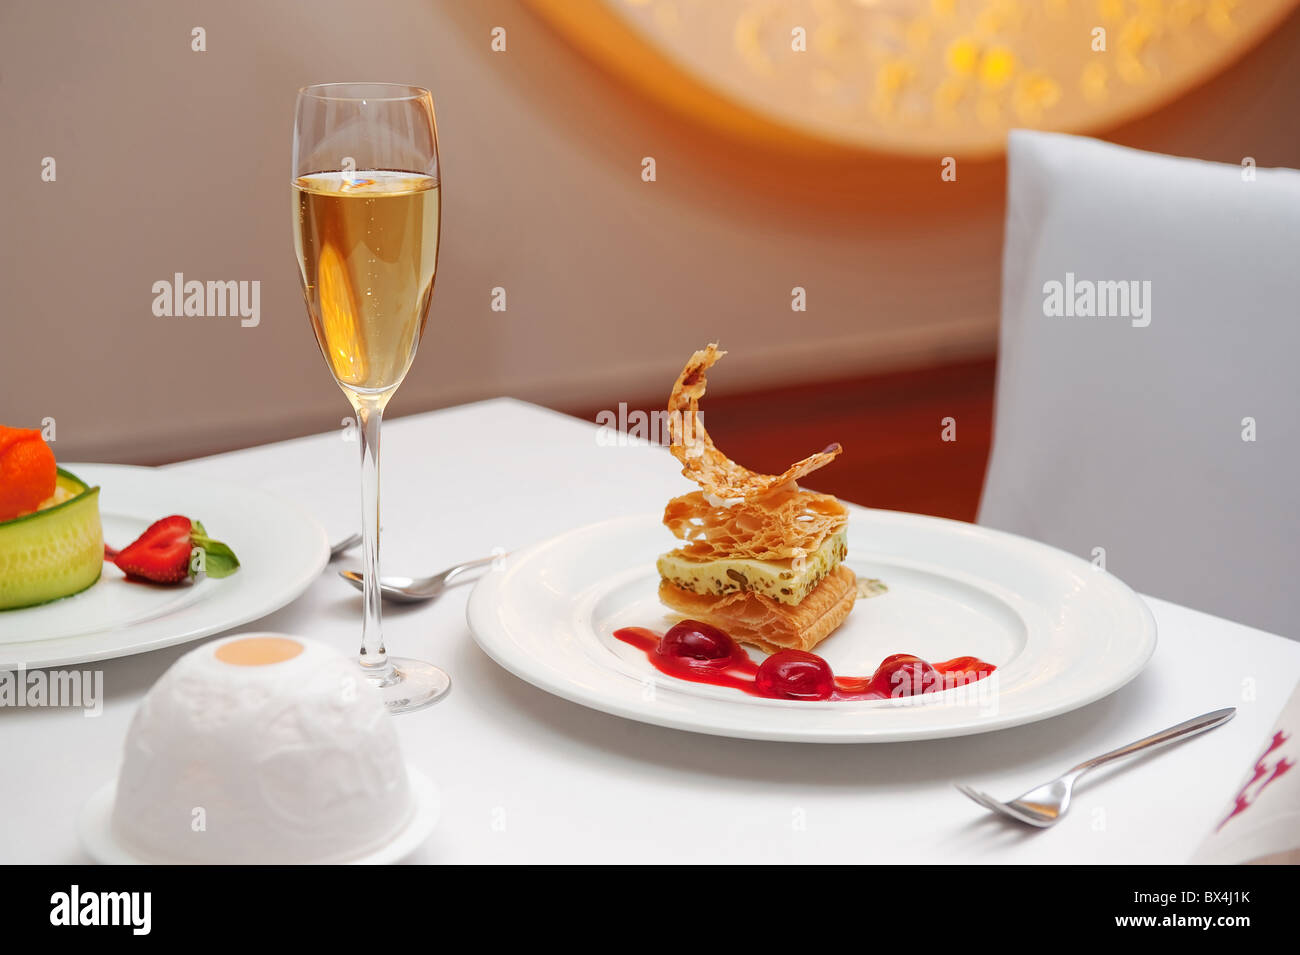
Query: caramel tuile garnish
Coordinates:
[702,462]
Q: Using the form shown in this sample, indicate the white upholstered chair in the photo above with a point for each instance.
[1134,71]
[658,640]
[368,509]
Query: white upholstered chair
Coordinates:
[1166,439]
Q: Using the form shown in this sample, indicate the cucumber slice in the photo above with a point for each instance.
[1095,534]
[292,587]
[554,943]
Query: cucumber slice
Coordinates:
[52,553]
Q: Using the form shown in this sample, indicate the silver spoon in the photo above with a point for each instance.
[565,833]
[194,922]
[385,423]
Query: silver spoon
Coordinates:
[414,589]
[1044,806]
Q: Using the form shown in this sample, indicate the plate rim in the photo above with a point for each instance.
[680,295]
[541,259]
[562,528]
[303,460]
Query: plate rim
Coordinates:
[10,662]
[481,621]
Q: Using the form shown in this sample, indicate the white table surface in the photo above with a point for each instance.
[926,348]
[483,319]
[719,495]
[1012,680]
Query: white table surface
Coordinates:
[526,777]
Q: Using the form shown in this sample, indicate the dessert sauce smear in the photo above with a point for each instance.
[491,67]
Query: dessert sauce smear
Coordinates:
[702,653]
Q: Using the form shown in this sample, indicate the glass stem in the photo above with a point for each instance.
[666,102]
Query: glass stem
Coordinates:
[373,655]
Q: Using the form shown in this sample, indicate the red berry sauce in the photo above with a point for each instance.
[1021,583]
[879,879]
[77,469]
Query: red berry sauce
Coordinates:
[701,653]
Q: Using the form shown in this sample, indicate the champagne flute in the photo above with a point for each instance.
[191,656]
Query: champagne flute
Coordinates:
[366,198]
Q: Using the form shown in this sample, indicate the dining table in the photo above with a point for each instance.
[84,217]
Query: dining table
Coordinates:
[527,777]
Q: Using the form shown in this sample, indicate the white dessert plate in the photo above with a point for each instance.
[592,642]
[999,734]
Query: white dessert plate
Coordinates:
[1061,632]
[95,827]
[281,550]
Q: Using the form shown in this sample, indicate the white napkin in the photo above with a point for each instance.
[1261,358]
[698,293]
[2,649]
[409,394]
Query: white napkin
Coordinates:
[1262,823]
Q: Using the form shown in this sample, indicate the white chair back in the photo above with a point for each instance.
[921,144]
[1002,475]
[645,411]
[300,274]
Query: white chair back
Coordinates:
[1148,401]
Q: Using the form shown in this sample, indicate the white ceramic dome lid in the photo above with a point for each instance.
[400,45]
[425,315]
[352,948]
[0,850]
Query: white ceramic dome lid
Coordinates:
[261,748]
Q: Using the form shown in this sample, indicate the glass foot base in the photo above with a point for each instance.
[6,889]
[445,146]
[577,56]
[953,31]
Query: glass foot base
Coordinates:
[409,685]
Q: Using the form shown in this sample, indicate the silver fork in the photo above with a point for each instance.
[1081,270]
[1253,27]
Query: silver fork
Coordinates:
[343,546]
[1046,805]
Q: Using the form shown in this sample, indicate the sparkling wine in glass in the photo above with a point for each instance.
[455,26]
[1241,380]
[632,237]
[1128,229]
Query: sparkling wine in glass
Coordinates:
[366,203]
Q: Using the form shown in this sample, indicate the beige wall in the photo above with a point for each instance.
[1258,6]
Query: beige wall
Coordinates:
[173,161]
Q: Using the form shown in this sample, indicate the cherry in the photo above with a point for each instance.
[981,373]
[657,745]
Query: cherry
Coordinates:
[795,675]
[904,675]
[698,644]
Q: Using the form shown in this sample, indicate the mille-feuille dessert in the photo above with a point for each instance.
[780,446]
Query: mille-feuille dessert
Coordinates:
[760,557]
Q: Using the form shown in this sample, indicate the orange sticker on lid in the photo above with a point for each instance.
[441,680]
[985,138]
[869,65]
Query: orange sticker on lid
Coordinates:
[258,651]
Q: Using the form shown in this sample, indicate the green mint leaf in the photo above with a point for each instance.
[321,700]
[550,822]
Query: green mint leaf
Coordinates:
[220,559]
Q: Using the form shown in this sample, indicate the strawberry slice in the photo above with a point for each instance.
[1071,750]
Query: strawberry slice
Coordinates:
[174,549]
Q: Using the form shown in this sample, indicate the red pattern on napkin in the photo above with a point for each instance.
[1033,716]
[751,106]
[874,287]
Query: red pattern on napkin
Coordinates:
[1261,778]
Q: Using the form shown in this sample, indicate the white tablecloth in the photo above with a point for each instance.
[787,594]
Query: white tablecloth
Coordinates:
[528,777]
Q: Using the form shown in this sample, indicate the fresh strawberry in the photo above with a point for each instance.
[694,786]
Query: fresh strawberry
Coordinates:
[174,549]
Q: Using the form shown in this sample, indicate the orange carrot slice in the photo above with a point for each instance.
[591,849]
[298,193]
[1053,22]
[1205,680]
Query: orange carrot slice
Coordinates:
[27,471]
